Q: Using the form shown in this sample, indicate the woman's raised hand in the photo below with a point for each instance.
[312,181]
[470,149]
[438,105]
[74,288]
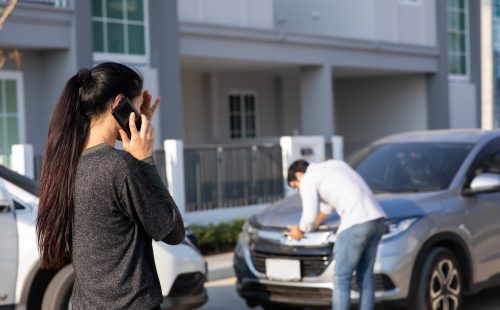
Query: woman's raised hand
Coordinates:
[146,108]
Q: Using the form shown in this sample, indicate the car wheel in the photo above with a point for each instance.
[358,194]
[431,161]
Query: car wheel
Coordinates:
[440,282]
[58,293]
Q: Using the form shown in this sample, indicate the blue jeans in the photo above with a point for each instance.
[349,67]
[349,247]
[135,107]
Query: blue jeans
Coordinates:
[356,250]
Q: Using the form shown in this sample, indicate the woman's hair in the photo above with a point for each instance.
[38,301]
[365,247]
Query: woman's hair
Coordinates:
[86,95]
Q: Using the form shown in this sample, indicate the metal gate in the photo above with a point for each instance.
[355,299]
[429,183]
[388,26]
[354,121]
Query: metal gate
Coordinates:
[232,175]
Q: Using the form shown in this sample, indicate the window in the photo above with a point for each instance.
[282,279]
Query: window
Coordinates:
[19,206]
[410,167]
[242,115]
[10,115]
[458,37]
[119,27]
[490,165]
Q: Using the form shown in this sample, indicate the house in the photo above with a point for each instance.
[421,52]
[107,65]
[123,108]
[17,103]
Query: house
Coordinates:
[245,72]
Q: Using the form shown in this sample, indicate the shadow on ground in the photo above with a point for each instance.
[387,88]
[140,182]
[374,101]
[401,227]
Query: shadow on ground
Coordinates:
[222,296]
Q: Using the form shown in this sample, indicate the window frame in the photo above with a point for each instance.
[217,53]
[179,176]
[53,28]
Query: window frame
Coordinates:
[242,93]
[487,150]
[21,116]
[466,76]
[99,57]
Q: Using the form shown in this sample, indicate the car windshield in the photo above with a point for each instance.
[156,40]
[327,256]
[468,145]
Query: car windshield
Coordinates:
[410,167]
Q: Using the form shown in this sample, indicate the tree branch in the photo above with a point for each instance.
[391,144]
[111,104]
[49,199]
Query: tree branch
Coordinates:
[8,10]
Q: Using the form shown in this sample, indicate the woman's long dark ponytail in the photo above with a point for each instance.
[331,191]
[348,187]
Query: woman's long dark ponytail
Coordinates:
[85,95]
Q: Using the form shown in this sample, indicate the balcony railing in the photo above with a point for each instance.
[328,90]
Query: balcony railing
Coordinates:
[52,3]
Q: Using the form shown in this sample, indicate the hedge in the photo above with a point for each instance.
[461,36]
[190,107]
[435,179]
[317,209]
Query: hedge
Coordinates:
[213,239]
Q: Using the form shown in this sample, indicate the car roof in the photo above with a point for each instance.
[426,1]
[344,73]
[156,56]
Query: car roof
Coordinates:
[19,180]
[472,136]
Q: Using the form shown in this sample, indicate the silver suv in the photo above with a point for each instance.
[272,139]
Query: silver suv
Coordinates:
[441,191]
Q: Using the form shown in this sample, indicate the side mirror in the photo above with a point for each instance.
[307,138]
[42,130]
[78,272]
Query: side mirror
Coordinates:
[484,183]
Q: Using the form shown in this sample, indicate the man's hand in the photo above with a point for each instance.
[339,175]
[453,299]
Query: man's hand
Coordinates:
[295,232]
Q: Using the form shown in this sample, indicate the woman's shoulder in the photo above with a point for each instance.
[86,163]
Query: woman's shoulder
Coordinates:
[124,158]
[112,160]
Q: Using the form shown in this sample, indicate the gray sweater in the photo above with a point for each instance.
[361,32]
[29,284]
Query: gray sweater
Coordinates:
[120,205]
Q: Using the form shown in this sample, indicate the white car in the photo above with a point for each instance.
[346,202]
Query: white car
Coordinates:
[25,285]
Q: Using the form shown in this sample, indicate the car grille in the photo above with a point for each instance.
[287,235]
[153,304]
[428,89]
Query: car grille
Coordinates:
[315,265]
[310,265]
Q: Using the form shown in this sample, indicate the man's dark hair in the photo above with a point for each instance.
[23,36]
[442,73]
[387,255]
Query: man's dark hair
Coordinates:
[297,166]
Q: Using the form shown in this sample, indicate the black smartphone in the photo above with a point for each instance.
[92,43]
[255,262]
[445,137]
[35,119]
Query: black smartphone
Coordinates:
[122,115]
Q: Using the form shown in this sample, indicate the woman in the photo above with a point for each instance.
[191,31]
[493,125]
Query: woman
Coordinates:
[101,207]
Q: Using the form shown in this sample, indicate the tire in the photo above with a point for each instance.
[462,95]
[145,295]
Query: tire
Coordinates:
[251,303]
[440,283]
[58,293]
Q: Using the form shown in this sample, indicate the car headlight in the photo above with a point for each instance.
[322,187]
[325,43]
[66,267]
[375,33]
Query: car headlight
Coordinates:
[247,234]
[396,227]
[250,229]
[190,239]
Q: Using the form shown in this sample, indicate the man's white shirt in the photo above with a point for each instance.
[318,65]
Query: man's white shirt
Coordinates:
[334,185]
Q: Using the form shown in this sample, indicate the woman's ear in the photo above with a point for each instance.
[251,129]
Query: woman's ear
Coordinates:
[116,101]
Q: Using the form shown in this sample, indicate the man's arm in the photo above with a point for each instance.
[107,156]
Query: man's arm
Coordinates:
[324,211]
[310,206]
[320,218]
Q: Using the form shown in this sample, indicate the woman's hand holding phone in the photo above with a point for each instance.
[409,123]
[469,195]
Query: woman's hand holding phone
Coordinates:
[141,144]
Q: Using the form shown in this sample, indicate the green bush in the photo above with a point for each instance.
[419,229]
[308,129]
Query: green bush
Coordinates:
[213,239]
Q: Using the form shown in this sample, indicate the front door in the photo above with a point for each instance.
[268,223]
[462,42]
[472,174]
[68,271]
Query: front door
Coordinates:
[482,219]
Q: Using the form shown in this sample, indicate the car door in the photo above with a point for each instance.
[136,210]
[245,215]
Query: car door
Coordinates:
[8,249]
[484,214]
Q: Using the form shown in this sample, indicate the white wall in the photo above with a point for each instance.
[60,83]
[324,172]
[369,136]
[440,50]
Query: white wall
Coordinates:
[353,18]
[206,107]
[38,109]
[405,21]
[291,105]
[196,104]
[381,20]
[370,108]
[463,104]
[45,74]
[240,13]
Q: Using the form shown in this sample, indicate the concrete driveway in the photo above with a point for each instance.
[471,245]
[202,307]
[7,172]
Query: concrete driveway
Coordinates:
[222,296]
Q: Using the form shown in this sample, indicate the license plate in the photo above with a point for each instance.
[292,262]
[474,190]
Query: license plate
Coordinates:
[283,269]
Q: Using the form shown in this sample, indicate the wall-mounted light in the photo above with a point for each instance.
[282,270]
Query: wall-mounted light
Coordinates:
[306,151]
